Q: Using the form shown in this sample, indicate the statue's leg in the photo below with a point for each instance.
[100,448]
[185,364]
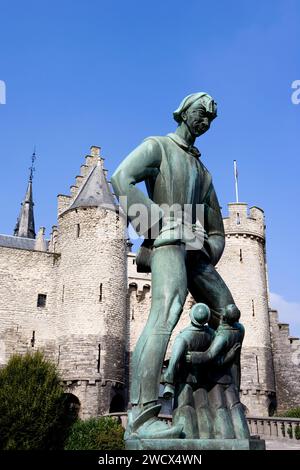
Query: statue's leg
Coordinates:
[223,428]
[185,415]
[238,417]
[204,415]
[207,286]
[169,290]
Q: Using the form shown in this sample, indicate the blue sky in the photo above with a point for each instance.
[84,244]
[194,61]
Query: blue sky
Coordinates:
[109,73]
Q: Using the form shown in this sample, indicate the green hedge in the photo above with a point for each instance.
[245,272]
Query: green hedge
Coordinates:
[96,434]
[32,411]
[292,413]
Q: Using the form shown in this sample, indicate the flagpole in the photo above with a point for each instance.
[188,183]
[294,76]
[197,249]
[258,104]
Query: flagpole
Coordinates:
[236,181]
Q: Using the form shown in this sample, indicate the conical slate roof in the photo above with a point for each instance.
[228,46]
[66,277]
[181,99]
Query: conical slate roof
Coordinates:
[95,191]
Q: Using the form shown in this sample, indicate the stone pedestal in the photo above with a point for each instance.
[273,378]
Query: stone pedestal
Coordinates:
[195,444]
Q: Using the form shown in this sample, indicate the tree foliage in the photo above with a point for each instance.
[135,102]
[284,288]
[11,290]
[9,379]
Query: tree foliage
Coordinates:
[32,411]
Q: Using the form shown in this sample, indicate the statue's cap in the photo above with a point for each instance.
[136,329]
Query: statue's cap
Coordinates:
[199,314]
[206,100]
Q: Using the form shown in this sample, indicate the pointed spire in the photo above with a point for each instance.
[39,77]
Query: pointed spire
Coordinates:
[25,223]
[95,191]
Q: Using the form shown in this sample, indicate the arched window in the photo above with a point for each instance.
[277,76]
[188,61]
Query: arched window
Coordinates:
[72,406]
[117,404]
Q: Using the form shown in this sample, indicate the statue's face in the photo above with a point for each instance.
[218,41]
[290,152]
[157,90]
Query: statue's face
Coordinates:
[197,119]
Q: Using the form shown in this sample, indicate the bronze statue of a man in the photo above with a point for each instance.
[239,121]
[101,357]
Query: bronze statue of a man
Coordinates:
[174,176]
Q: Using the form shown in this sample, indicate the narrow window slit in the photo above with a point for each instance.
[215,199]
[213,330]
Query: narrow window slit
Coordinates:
[99,355]
[32,341]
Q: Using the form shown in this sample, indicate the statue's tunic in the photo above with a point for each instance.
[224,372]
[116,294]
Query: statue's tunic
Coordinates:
[174,175]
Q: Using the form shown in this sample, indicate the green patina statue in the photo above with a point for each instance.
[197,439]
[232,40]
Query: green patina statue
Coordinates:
[180,251]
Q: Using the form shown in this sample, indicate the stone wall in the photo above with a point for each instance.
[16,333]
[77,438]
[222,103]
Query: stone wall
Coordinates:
[25,326]
[286,358]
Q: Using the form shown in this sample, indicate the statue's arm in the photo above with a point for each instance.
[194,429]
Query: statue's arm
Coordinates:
[210,354]
[139,165]
[230,356]
[214,227]
[178,352]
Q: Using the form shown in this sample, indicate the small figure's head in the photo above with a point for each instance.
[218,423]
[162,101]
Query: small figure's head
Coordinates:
[199,314]
[197,111]
[231,314]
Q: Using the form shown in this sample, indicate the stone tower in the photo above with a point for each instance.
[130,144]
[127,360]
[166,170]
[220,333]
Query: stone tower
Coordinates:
[243,266]
[91,290]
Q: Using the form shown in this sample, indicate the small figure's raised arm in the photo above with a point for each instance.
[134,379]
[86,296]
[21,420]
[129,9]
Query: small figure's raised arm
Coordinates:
[210,354]
[178,351]
[230,356]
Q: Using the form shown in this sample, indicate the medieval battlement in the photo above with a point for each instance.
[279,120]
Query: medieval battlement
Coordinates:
[244,221]
[139,280]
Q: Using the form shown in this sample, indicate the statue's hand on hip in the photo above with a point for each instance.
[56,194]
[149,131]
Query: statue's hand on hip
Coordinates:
[193,357]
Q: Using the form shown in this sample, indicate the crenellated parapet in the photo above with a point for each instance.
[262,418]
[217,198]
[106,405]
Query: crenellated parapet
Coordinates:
[245,222]
[136,280]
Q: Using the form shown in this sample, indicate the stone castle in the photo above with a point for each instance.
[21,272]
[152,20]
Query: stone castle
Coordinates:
[78,297]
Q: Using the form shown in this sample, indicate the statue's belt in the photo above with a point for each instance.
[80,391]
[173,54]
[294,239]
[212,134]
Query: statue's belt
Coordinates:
[178,231]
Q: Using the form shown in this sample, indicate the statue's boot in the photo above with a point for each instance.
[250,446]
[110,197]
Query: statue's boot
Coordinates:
[169,391]
[239,421]
[146,425]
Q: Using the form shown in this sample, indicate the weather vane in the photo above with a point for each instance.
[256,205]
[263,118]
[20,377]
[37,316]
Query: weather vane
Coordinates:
[32,168]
